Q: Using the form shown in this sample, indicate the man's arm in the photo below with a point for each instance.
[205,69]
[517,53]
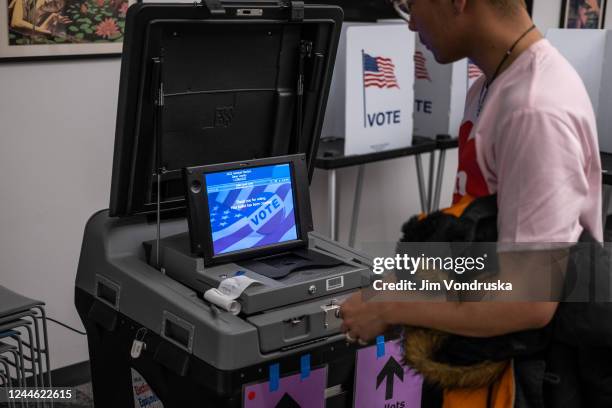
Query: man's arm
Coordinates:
[537,279]
[366,320]
[473,319]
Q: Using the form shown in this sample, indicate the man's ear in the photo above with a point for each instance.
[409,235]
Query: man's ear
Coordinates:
[459,6]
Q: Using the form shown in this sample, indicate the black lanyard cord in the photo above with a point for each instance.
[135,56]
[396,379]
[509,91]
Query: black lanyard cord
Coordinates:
[485,88]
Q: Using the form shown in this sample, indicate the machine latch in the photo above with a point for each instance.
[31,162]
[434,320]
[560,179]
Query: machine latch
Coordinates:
[332,315]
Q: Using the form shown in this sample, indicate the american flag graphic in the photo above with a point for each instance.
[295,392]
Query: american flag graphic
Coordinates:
[379,72]
[420,66]
[233,227]
[473,71]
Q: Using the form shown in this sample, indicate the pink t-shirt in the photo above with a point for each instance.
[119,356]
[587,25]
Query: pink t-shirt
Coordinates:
[535,145]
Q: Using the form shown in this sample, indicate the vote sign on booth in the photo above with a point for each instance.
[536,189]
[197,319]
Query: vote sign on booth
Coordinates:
[439,94]
[379,88]
[371,97]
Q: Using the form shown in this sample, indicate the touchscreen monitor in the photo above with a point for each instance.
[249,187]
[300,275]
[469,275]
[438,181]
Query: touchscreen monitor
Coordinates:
[248,208]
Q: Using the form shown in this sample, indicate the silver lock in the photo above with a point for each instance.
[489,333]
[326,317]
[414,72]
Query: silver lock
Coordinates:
[138,345]
[332,318]
[312,289]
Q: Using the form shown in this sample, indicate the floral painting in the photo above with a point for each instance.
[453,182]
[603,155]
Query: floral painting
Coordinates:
[43,28]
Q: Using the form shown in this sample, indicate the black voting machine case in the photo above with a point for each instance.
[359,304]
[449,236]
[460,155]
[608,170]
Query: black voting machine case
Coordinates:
[202,84]
[247,80]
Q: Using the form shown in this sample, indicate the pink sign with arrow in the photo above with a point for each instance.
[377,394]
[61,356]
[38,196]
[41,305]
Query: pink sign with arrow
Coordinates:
[291,392]
[381,381]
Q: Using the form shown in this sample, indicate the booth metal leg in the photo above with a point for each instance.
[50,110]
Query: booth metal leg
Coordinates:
[333,205]
[356,206]
[430,181]
[439,178]
[421,182]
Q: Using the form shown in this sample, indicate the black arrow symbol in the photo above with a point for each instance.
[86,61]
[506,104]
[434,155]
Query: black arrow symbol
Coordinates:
[390,369]
[287,402]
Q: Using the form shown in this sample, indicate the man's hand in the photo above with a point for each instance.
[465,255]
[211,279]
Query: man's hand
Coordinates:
[362,321]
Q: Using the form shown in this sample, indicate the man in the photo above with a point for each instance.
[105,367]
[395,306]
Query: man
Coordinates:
[529,135]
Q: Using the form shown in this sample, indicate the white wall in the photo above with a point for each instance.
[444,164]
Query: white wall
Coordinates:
[546,14]
[57,131]
[390,196]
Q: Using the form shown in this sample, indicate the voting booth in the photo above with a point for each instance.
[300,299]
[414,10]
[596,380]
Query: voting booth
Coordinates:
[203,284]
[439,93]
[371,98]
[590,53]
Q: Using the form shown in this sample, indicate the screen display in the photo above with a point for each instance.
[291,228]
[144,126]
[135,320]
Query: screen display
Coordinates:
[251,207]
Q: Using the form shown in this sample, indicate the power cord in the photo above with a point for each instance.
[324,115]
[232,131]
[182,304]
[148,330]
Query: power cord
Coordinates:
[65,325]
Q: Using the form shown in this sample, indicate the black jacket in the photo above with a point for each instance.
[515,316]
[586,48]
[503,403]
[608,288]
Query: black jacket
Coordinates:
[567,364]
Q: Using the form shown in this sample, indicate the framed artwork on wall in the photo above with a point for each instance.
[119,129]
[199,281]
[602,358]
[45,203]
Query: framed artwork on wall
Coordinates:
[583,13]
[49,29]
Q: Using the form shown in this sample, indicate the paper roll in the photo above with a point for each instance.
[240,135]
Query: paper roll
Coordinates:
[233,287]
[225,302]
[229,290]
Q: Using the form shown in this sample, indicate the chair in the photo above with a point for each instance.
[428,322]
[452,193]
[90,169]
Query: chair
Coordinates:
[24,347]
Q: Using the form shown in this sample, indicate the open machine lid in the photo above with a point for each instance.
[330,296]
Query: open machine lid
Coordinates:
[214,83]
[362,10]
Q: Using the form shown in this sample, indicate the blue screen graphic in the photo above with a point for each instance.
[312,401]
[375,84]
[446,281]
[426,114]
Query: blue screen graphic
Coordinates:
[250,208]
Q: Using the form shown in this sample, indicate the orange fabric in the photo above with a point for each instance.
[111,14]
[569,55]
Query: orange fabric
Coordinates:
[456,209]
[459,207]
[502,397]
[503,390]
